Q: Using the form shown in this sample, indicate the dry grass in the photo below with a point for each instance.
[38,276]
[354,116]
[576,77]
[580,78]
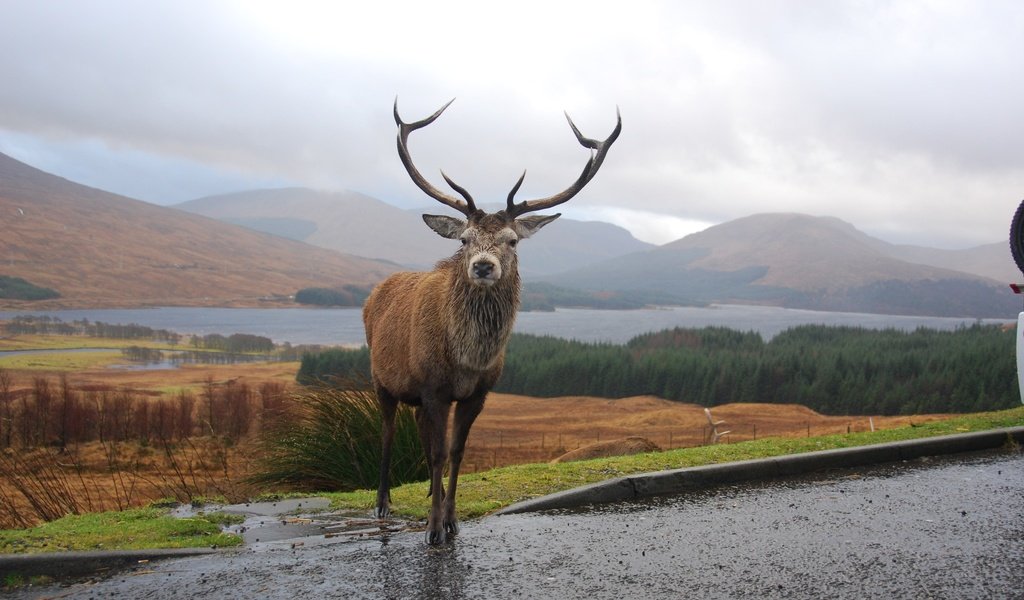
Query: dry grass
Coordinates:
[43,484]
[521,429]
[511,430]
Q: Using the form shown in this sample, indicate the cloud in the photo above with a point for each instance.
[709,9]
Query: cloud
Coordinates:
[900,117]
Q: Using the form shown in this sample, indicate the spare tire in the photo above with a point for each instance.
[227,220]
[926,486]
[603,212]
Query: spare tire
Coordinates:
[1017,237]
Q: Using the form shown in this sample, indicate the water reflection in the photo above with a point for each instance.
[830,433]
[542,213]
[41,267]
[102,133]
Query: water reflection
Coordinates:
[431,572]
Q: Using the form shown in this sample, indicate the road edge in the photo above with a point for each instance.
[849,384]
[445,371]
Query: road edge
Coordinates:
[77,564]
[675,481]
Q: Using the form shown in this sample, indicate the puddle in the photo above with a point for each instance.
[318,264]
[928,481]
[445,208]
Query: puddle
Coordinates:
[299,522]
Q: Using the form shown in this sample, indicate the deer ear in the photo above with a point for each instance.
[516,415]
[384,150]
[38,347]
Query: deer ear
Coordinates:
[445,226]
[527,226]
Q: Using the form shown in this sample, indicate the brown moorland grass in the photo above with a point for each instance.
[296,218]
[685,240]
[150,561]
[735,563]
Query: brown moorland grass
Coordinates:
[520,429]
[511,430]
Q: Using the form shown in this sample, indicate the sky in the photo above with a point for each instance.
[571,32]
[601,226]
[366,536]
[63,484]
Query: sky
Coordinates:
[904,118]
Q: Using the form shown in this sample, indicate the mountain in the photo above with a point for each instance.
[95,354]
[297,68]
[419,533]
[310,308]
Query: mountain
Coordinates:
[990,260]
[99,249]
[800,261]
[358,224]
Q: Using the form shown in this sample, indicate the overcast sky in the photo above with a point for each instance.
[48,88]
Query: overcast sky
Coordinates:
[903,118]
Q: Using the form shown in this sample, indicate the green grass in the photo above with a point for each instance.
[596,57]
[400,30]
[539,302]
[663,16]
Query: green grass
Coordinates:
[135,529]
[62,361]
[479,493]
[65,361]
[69,342]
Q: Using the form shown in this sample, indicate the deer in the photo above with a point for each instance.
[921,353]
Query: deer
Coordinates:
[438,338]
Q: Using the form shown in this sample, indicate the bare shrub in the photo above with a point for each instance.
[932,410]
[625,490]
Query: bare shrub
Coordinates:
[6,409]
[49,481]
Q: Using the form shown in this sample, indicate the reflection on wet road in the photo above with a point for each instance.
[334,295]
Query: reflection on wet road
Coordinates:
[941,528]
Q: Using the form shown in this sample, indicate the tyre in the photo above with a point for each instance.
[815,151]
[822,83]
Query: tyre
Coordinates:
[1017,237]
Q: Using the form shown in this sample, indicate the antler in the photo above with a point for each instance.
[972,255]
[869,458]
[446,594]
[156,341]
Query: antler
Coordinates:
[404,129]
[599,150]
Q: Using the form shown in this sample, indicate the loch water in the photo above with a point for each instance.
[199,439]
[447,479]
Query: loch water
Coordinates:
[344,326]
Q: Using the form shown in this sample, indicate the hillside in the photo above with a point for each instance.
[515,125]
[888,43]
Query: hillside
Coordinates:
[358,224]
[99,249]
[990,260]
[800,261]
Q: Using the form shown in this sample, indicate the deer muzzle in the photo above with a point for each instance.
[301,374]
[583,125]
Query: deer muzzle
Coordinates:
[484,269]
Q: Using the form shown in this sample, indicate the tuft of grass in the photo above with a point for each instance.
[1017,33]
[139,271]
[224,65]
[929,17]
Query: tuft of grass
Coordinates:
[134,529]
[334,443]
[485,492]
[13,581]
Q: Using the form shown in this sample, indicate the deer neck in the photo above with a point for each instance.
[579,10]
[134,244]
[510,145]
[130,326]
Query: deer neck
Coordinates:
[481,321]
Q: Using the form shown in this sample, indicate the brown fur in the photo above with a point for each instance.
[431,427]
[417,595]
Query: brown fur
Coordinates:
[437,339]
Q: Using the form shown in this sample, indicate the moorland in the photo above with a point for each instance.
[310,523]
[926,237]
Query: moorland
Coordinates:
[107,431]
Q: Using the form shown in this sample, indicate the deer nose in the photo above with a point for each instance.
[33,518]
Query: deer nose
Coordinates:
[483,269]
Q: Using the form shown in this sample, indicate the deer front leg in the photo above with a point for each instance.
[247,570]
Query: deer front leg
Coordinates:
[432,419]
[388,407]
[466,412]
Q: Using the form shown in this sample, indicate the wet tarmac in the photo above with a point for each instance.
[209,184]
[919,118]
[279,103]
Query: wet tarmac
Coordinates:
[930,528]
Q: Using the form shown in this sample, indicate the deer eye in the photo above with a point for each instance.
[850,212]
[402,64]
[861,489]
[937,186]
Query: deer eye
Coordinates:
[464,241]
[513,242]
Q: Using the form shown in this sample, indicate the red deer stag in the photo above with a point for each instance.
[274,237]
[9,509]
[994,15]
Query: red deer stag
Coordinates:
[438,338]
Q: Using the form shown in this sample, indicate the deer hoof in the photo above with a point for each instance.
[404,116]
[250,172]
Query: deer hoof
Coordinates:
[382,512]
[436,538]
[451,527]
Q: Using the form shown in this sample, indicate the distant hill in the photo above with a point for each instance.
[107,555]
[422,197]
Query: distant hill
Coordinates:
[990,260]
[801,261]
[358,224]
[99,249]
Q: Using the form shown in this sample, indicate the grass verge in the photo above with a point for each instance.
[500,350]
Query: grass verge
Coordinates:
[479,493]
[135,529]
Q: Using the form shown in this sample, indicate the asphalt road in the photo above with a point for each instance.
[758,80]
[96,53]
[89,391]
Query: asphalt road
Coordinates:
[929,528]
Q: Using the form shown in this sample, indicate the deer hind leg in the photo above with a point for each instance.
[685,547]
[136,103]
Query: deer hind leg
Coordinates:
[466,412]
[432,420]
[388,407]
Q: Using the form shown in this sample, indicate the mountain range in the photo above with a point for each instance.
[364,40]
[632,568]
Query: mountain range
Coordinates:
[354,223]
[818,263]
[259,247]
[98,249]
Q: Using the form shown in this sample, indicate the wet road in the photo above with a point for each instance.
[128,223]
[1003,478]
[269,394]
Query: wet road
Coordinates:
[938,528]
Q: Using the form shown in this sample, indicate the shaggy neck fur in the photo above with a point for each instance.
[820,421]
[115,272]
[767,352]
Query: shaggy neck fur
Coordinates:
[481,318]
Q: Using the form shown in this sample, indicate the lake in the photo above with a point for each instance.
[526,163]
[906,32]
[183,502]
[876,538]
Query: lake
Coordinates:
[338,326]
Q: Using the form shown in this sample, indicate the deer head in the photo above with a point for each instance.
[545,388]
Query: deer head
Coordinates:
[489,240]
